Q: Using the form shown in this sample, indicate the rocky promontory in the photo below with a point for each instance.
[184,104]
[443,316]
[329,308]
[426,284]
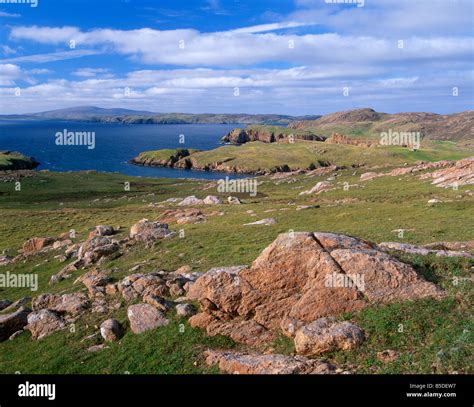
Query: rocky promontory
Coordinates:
[269,134]
[12,160]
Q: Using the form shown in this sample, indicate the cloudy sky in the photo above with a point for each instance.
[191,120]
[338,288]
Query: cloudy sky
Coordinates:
[261,56]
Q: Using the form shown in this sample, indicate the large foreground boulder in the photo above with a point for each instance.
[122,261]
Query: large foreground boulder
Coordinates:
[298,279]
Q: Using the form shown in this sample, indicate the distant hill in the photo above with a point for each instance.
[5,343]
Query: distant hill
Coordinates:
[369,123]
[97,114]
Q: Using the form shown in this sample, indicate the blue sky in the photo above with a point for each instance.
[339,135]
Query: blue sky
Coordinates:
[290,57]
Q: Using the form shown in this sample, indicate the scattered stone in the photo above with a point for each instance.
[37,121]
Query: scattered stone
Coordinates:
[318,188]
[327,335]
[233,200]
[144,317]
[101,230]
[97,348]
[185,310]
[212,200]
[111,330]
[421,250]
[191,200]
[44,323]
[367,176]
[240,363]
[37,244]
[5,260]
[183,216]
[266,222]
[388,356]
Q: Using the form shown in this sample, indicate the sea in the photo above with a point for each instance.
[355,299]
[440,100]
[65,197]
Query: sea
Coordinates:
[115,145]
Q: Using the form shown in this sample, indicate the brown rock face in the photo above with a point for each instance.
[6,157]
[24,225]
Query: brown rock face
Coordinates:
[239,363]
[37,243]
[299,278]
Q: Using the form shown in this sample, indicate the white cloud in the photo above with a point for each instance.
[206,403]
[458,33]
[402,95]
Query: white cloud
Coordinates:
[51,57]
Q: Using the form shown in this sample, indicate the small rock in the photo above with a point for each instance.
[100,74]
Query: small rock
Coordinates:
[388,356]
[267,222]
[233,200]
[111,330]
[185,310]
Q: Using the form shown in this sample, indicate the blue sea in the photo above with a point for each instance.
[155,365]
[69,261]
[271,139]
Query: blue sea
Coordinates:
[115,145]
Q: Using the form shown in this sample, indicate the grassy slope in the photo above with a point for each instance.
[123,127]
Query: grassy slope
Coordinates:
[256,155]
[372,211]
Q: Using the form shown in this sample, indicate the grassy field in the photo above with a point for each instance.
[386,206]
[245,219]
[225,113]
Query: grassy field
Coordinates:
[437,335]
[255,156]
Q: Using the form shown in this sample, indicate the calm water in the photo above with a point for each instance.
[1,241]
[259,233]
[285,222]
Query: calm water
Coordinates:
[116,144]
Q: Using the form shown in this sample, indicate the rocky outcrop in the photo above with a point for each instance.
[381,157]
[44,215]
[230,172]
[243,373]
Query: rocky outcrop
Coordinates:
[169,161]
[11,323]
[251,364]
[298,279]
[337,138]
[14,161]
[267,135]
[449,173]
[460,173]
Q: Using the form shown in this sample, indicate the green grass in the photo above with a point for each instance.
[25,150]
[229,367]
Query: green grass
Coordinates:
[256,156]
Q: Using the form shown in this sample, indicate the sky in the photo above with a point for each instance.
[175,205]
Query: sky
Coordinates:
[295,57]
